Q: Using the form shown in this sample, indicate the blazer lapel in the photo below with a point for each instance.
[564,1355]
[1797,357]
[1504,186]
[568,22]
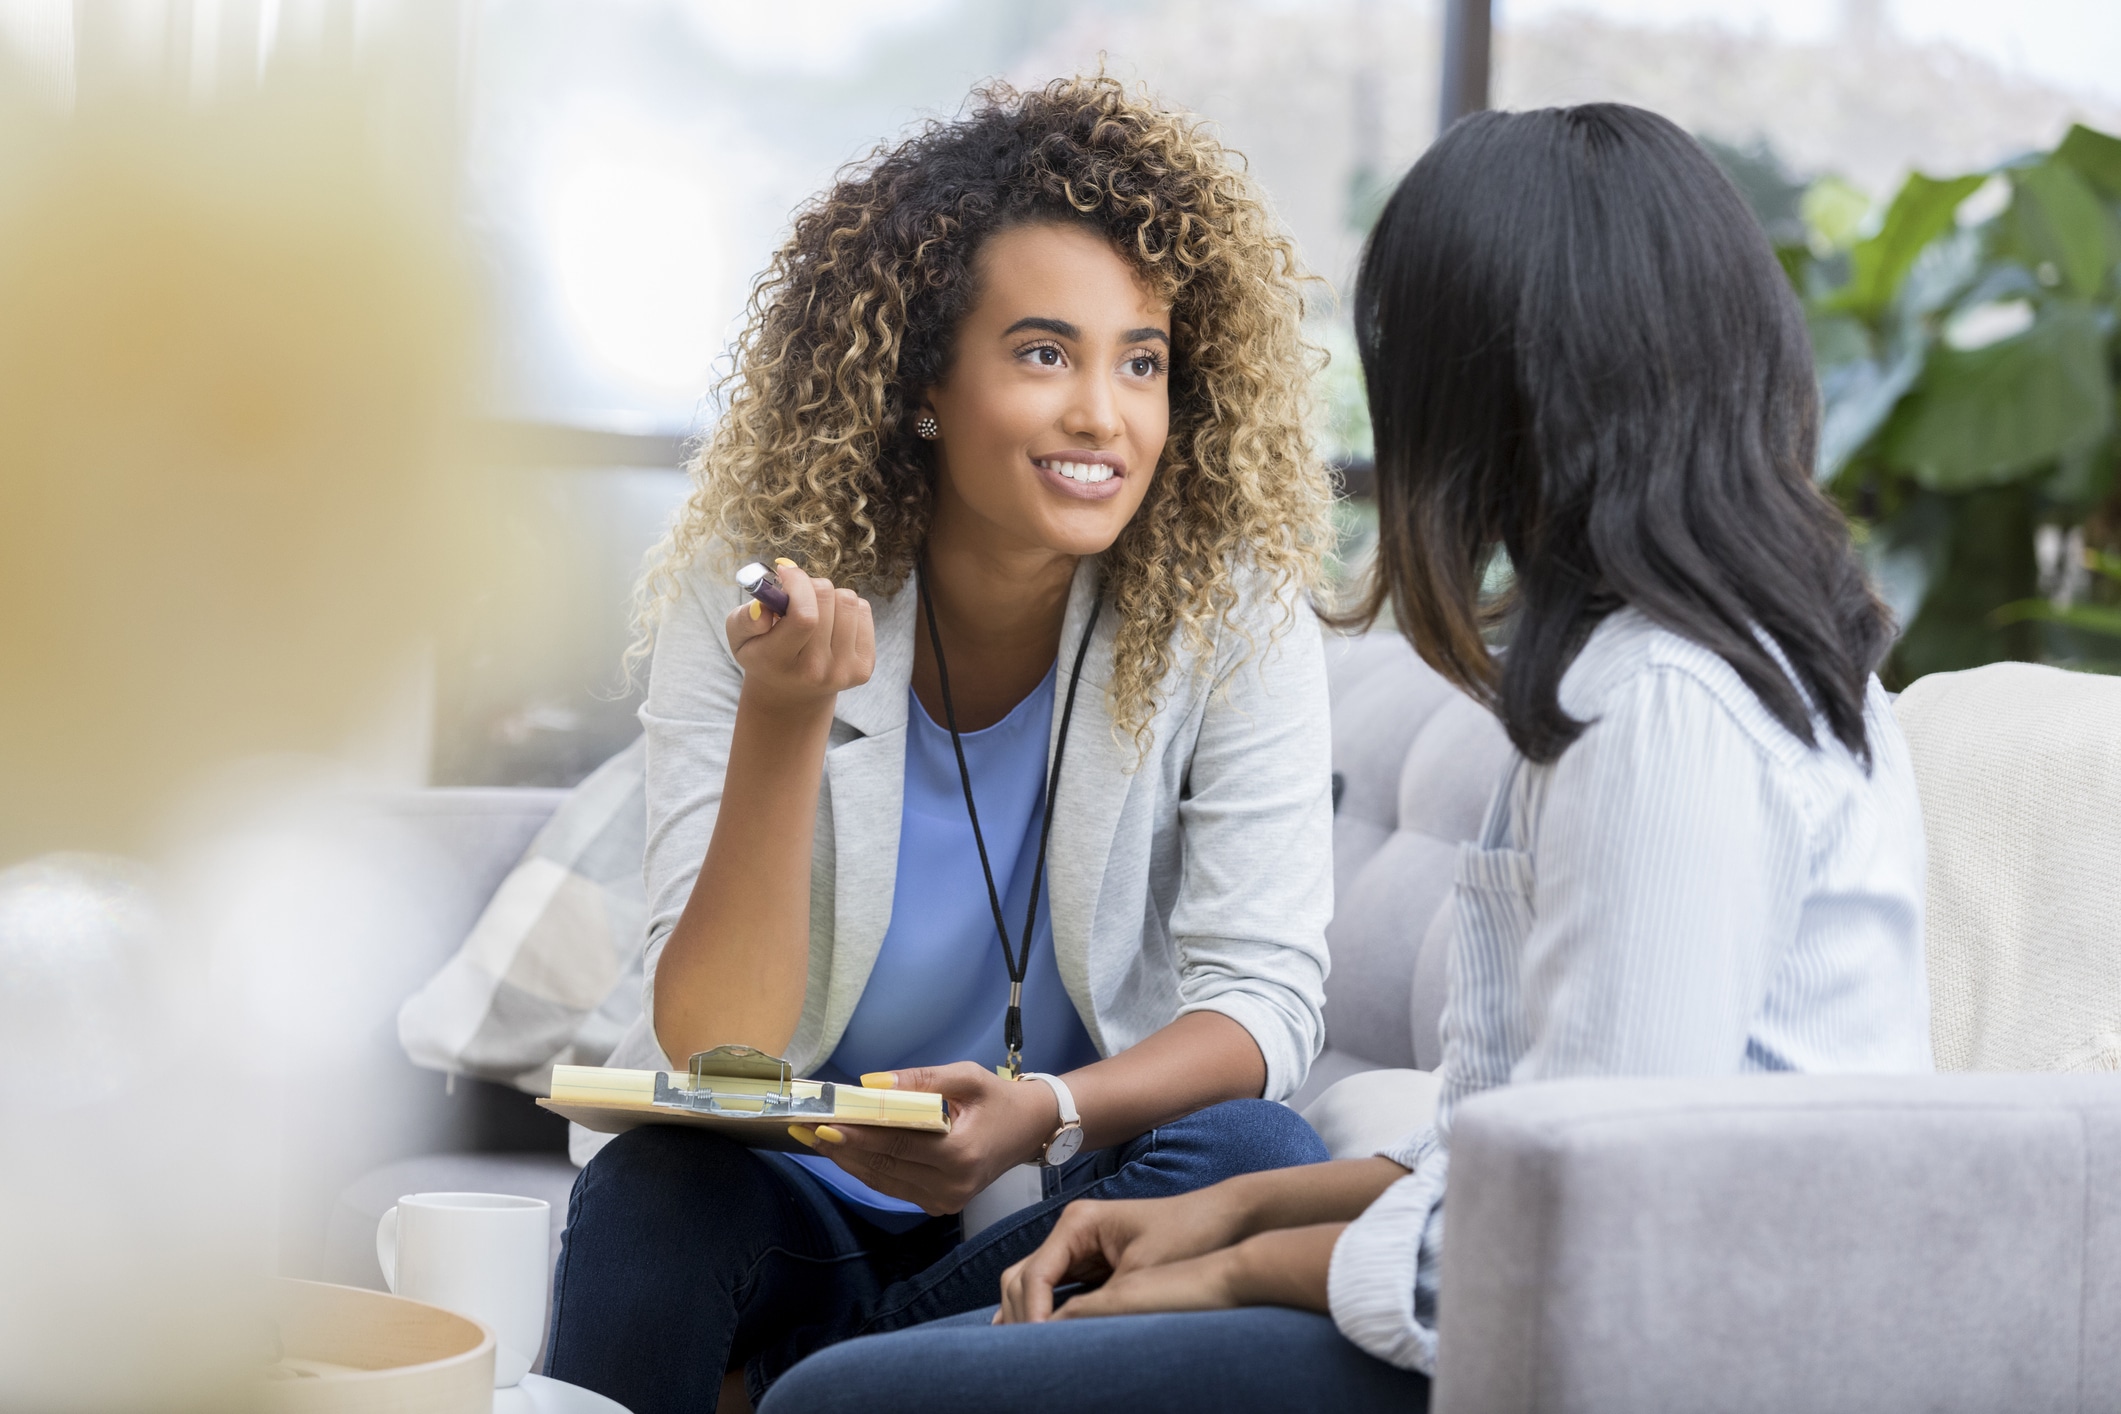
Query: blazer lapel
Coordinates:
[866,777]
[1096,774]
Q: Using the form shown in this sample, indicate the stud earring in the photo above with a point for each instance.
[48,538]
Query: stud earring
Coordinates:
[926,427]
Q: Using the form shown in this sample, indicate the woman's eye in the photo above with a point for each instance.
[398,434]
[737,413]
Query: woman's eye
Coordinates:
[1144,366]
[1046,356]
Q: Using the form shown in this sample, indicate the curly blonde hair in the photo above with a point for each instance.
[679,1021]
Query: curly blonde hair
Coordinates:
[814,455]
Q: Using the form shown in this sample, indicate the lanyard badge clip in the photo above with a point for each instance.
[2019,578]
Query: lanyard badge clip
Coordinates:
[1013,1033]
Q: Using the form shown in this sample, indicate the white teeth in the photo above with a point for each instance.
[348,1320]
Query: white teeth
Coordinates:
[1088,472]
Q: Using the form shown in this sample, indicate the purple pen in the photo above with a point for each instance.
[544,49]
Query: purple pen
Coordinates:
[763,585]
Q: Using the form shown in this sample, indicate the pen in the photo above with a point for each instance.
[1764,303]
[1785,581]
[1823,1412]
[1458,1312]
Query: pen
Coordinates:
[763,585]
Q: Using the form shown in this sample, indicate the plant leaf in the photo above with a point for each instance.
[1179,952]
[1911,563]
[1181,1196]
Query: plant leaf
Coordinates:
[2056,218]
[1984,558]
[1858,397]
[1834,208]
[2084,476]
[1838,339]
[2095,156]
[1921,212]
[1982,417]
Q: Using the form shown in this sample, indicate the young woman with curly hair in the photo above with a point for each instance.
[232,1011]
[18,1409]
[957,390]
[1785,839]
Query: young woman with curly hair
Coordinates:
[1019,416]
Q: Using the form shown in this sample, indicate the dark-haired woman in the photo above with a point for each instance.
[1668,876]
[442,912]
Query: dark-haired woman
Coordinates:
[1032,771]
[1708,859]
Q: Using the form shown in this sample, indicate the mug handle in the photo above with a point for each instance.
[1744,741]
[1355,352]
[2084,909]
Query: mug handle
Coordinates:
[387,1247]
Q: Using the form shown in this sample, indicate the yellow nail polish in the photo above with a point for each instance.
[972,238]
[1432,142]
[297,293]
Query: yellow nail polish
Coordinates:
[803,1136]
[830,1135]
[756,609]
[880,1080]
[790,564]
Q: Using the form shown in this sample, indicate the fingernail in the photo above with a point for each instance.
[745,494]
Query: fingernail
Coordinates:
[803,1136]
[830,1135]
[756,608]
[880,1080]
[789,564]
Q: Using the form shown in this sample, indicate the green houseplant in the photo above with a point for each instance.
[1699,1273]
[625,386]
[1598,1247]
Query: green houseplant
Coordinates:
[1966,341]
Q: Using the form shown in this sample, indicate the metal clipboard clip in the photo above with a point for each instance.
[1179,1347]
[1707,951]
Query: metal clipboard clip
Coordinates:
[741,1082]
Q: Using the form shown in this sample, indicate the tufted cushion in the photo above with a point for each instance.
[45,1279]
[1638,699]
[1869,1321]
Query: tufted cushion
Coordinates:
[1417,761]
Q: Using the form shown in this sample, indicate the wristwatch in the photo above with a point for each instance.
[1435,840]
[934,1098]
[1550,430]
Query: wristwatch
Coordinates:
[1067,1141]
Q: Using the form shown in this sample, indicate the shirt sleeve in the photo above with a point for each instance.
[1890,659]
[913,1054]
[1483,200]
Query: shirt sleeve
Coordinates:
[687,719]
[1256,883]
[1666,856]
[1381,1284]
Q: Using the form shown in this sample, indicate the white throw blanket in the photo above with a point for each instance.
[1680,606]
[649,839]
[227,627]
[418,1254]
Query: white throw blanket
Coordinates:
[2020,773]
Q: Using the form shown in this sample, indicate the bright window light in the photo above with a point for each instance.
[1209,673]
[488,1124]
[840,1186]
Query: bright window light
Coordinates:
[631,237]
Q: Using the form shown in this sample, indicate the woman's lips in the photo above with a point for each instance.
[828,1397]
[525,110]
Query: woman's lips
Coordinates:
[1089,476]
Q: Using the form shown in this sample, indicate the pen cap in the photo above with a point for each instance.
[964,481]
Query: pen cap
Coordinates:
[763,585]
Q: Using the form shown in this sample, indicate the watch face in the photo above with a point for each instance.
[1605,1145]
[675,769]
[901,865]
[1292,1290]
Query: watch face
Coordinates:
[1064,1146]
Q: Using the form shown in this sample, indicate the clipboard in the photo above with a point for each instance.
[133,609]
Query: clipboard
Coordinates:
[739,1091]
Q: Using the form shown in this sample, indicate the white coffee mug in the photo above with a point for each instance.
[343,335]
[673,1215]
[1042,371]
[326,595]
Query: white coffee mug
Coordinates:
[482,1255]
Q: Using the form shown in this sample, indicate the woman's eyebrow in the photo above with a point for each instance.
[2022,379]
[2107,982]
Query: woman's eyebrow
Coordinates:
[1051,326]
[1068,331]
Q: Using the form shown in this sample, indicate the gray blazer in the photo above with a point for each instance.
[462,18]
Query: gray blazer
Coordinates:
[1198,879]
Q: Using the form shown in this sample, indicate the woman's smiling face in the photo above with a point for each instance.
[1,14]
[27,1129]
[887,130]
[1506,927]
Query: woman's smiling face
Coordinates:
[1057,402]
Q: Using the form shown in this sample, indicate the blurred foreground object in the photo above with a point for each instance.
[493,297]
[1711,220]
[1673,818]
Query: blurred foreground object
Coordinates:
[130,1204]
[235,339]
[232,356]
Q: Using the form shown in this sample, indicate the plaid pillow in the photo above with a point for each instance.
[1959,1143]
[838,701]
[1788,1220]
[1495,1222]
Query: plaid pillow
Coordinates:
[551,973]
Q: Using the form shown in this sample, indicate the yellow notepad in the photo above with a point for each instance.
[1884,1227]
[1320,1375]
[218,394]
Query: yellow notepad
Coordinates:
[737,1091]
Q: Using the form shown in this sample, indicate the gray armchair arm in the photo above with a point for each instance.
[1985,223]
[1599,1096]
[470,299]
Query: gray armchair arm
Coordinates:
[1944,1243]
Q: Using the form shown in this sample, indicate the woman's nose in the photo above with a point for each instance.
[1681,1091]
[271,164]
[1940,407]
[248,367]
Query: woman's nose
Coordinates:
[1094,413]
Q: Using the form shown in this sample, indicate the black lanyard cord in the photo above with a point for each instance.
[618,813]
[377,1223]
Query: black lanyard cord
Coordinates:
[1016,959]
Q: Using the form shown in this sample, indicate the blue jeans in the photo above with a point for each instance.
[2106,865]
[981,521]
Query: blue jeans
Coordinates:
[1260,1358]
[687,1254]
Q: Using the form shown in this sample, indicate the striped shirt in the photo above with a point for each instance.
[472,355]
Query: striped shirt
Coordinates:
[1688,890]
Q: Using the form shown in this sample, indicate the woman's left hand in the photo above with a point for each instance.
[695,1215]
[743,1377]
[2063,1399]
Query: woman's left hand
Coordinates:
[1209,1282]
[995,1124]
[1282,1267]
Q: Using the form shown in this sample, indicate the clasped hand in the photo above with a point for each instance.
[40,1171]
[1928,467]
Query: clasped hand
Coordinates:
[1201,1251]
[1151,1254]
[995,1124]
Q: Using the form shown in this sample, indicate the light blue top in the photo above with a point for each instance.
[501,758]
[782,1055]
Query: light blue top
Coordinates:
[939,988]
[1688,890]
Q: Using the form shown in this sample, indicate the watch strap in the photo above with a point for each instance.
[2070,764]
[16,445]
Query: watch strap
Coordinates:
[1061,1093]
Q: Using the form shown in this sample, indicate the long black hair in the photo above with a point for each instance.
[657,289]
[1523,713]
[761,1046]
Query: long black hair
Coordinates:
[1581,349]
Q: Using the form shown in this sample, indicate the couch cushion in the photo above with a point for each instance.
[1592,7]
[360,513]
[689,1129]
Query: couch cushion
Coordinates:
[551,971]
[1332,1066]
[1417,761]
[474,835]
[1373,1110]
[2019,767]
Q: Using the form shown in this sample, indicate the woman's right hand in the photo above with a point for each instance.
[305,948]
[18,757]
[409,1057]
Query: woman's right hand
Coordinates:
[824,644]
[1096,1241]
